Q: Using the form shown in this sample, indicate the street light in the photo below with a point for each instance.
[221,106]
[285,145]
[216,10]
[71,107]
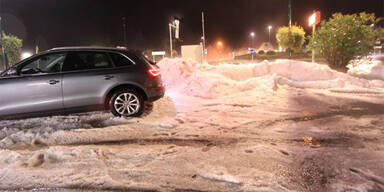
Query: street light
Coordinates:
[252,36]
[25,55]
[269,33]
[176,25]
[219,44]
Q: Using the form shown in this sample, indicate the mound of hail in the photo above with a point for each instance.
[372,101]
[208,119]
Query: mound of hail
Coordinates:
[208,81]
[367,69]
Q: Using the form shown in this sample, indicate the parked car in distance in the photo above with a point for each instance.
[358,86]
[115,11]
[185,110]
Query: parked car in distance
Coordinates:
[79,79]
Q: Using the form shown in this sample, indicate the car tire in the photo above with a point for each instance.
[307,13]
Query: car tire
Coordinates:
[126,103]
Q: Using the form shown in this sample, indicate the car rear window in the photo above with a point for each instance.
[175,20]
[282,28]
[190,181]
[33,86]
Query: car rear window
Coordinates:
[120,60]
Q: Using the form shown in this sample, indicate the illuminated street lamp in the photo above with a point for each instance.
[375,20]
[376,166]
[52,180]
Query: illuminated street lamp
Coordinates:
[269,33]
[252,37]
[25,55]
[219,44]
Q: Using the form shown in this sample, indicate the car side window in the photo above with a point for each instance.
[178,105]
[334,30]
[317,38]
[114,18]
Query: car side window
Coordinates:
[120,61]
[76,61]
[51,63]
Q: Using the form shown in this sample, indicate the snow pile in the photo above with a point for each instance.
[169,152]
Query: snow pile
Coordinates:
[367,69]
[206,81]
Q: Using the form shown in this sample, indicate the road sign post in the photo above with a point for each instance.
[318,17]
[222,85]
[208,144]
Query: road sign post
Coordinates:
[252,52]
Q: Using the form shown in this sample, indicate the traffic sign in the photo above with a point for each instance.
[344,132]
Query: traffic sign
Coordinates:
[252,51]
[158,53]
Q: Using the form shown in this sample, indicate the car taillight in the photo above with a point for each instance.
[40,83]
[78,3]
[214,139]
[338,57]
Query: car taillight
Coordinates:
[154,72]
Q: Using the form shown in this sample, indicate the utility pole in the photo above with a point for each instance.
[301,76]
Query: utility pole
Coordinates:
[269,33]
[203,25]
[289,13]
[125,32]
[313,50]
[290,21]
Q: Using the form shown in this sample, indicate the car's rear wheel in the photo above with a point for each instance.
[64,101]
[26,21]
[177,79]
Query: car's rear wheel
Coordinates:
[126,103]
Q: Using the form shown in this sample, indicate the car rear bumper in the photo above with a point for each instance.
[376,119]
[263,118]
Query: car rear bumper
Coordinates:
[156,93]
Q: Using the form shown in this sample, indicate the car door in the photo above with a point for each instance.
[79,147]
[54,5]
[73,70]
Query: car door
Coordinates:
[87,75]
[36,86]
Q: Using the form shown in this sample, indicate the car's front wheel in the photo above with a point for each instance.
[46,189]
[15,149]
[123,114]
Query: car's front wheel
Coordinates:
[126,103]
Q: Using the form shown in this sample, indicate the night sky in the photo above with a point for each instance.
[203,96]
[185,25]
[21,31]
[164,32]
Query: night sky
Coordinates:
[56,23]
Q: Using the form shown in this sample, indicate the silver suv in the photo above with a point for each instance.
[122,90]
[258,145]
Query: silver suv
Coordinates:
[79,79]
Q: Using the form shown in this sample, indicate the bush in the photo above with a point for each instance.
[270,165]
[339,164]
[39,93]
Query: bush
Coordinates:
[290,37]
[261,52]
[343,37]
[12,47]
[271,52]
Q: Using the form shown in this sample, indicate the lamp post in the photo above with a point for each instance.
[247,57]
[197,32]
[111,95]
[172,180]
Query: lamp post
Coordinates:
[203,37]
[175,24]
[289,13]
[170,40]
[252,37]
[124,31]
[251,48]
[269,33]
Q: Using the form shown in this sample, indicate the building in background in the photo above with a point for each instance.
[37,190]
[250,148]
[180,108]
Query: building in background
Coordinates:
[194,52]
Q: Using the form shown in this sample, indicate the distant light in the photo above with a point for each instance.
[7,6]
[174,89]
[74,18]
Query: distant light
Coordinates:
[269,27]
[312,19]
[252,34]
[176,25]
[219,44]
[26,55]
[280,49]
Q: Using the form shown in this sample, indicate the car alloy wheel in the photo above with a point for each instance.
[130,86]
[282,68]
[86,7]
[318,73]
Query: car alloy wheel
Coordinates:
[127,104]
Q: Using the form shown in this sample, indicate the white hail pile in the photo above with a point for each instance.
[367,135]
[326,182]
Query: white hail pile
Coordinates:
[207,81]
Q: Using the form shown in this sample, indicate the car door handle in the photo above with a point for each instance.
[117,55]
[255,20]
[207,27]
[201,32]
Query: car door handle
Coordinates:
[108,77]
[53,82]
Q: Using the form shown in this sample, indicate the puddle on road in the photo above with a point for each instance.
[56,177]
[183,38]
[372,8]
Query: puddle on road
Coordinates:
[355,110]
